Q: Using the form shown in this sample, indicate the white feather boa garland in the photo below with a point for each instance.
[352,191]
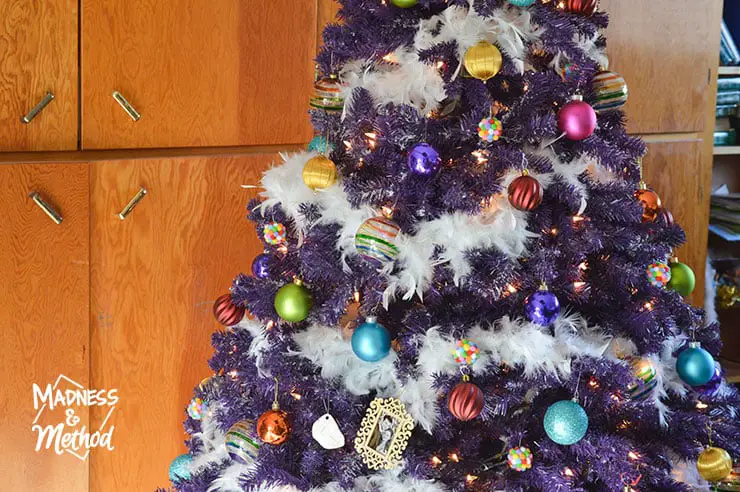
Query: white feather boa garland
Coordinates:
[516,342]
[510,28]
[501,226]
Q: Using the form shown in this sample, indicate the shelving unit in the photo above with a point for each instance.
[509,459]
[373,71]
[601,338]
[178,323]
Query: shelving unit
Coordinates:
[727,150]
[729,70]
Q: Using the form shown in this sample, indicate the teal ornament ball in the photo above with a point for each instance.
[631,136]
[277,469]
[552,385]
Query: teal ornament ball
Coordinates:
[695,366]
[371,341]
[180,468]
[242,442]
[404,4]
[566,422]
[293,302]
[522,3]
[682,279]
[320,144]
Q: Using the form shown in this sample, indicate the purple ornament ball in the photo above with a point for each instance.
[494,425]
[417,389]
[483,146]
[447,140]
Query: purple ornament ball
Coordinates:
[423,160]
[577,119]
[542,307]
[261,266]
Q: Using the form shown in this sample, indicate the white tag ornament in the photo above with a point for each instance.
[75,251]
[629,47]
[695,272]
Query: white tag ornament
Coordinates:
[326,432]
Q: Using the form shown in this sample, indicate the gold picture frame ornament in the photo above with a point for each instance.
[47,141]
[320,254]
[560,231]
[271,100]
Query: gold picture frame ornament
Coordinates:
[384,434]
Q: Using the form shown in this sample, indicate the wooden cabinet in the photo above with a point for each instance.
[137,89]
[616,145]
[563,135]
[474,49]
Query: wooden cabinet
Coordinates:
[219,73]
[43,315]
[154,277]
[38,54]
[667,51]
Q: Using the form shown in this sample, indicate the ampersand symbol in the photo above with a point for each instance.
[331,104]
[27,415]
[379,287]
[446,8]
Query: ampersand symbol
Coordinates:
[72,419]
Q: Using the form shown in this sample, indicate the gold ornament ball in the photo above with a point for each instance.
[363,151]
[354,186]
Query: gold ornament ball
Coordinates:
[483,60]
[714,464]
[319,173]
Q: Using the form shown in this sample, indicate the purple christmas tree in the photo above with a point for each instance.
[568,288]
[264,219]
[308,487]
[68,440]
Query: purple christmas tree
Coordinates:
[484,297]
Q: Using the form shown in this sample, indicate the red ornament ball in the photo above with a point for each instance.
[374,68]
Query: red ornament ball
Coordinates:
[525,193]
[651,204]
[465,401]
[226,312]
[666,217]
[274,427]
[581,7]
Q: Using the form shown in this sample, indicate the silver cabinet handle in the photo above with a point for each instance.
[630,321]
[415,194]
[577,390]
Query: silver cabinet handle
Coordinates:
[49,97]
[126,106]
[134,201]
[48,209]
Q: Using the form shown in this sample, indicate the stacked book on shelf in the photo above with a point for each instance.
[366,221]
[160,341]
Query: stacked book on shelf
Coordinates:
[724,215]
[728,93]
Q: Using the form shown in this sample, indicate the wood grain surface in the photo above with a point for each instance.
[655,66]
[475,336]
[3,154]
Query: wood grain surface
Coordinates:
[666,50]
[676,171]
[38,53]
[43,317]
[154,279]
[201,74]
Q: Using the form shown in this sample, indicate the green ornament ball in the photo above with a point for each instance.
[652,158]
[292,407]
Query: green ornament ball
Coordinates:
[682,279]
[293,302]
[404,4]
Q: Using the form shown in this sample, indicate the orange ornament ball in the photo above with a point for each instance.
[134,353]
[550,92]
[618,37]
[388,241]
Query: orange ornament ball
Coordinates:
[274,427]
[651,204]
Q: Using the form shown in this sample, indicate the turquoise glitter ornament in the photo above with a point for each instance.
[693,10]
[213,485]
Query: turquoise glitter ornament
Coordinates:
[320,144]
[566,422]
[695,366]
[522,3]
[371,341]
[180,468]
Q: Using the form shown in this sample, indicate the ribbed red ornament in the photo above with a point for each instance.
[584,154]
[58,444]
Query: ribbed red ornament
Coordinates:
[582,7]
[666,217]
[226,312]
[525,193]
[465,401]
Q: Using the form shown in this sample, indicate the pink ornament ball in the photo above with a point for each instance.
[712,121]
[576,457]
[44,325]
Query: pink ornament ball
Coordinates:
[577,119]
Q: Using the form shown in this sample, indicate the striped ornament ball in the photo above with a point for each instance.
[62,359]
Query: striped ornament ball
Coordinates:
[375,240]
[610,90]
[242,443]
[644,383]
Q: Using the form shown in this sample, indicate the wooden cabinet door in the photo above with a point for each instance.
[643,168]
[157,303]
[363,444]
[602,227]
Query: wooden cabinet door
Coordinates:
[217,73]
[38,54]
[44,327]
[154,277]
[676,171]
[666,50]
